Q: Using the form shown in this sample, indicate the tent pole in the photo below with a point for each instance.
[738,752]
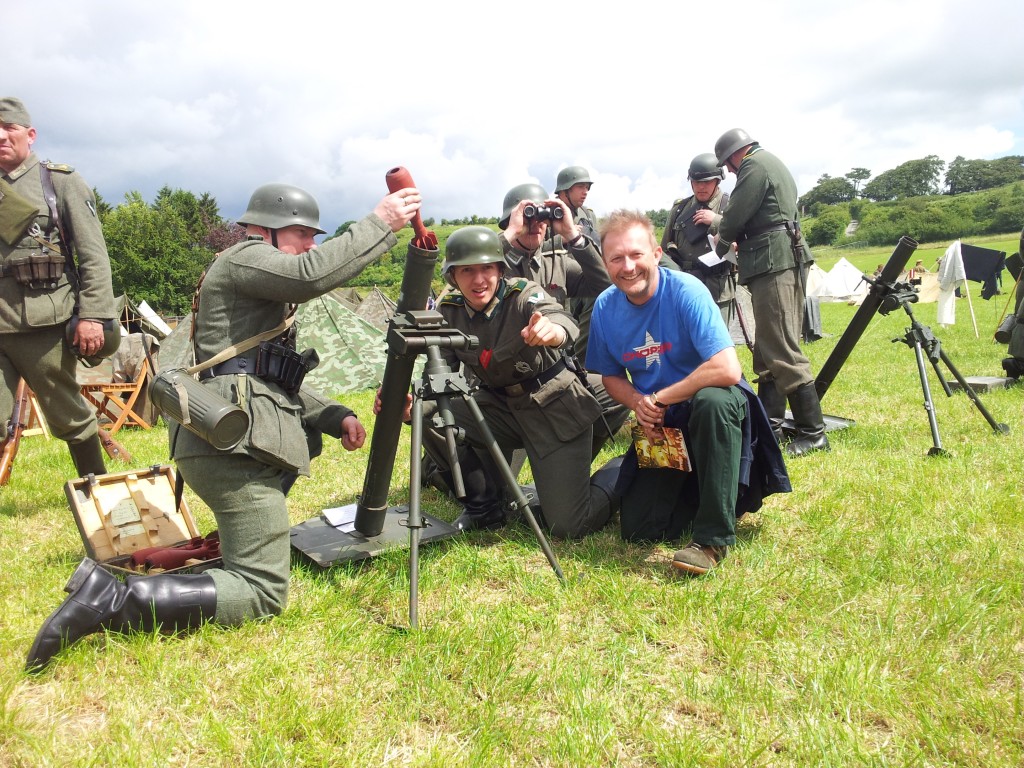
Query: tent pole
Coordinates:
[967,289]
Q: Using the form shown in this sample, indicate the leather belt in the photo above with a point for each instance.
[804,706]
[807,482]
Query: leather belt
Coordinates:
[530,385]
[229,367]
[762,230]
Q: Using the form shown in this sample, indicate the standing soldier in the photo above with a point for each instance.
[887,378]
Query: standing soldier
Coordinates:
[773,259]
[1014,364]
[692,222]
[51,309]
[572,187]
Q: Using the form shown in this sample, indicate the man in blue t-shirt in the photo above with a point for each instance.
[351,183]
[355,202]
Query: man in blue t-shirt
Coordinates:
[659,341]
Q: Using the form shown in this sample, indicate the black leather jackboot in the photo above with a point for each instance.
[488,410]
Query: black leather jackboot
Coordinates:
[88,457]
[774,403]
[810,424]
[97,600]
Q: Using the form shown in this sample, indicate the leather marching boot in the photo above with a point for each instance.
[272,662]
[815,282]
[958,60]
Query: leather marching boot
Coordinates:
[482,505]
[810,424]
[774,403]
[604,501]
[97,600]
[1014,367]
[88,457]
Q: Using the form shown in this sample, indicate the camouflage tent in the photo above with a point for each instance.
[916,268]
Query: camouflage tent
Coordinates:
[376,308]
[349,297]
[352,351]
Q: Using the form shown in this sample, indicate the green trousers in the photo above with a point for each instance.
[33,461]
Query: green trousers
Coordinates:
[42,357]
[660,504]
[777,300]
[247,499]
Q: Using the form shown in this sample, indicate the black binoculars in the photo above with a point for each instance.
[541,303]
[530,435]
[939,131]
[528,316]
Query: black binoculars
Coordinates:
[542,213]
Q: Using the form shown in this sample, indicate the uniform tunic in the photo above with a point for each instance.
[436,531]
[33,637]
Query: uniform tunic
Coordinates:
[32,320]
[553,423]
[565,273]
[582,307]
[765,196]
[1016,346]
[684,254]
[248,290]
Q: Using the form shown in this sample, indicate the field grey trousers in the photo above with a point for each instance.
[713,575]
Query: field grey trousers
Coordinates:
[248,502]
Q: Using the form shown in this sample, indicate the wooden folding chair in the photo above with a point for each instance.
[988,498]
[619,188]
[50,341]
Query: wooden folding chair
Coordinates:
[36,424]
[116,401]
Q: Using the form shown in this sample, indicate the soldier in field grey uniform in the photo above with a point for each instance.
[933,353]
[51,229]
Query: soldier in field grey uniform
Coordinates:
[249,289]
[1014,364]
[691,221]
[34,315]
[528,397]
[572,187]
[567,266]
[773,258]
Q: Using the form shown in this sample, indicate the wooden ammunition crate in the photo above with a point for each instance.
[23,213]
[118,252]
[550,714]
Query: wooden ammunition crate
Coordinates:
[122,512]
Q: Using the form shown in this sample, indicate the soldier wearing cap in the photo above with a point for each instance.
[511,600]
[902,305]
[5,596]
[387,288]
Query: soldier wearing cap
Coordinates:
[250,288]
[762,220]
[692,222]
[54,283]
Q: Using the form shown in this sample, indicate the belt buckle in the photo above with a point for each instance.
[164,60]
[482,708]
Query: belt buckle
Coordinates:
[515,390]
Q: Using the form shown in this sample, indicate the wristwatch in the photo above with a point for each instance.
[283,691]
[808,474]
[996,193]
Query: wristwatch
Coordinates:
[657,402]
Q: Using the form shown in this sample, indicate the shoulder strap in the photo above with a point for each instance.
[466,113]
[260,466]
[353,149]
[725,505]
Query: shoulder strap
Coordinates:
[245,346]
[50,196]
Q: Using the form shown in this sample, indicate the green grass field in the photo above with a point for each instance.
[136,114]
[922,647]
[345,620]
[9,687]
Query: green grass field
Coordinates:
[873,617]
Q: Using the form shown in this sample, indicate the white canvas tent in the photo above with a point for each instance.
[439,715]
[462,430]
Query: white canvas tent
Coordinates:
[815,277]
[844,282]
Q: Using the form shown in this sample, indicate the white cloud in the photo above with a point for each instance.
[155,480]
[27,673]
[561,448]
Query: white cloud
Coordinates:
[475,98]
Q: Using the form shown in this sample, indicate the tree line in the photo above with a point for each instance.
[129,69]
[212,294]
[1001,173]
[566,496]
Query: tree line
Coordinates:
[974,197]
[915,178]
[159,250]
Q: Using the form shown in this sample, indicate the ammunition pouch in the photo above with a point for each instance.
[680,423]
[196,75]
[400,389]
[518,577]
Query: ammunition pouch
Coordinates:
[16,214]
[40,269]
[280,364]
[529,386]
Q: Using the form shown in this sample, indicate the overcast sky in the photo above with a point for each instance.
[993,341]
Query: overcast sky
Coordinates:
[476,97]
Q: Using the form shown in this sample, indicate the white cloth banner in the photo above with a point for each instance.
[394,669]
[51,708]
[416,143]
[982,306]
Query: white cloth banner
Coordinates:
[951,275]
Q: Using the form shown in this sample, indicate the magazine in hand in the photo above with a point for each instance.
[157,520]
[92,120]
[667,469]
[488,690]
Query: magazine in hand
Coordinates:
[667,450]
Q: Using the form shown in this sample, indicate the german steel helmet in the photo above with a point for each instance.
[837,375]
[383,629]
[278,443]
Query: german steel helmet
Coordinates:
[703,167]
[574,174]
[533,192]
[729,142]
[276,206]
[111,341]
[471,245]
